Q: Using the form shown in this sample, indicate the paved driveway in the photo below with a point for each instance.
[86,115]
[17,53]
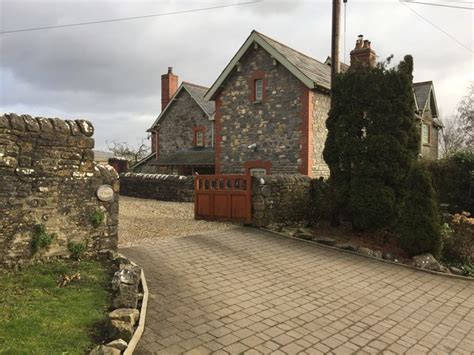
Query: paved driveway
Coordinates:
[247,291]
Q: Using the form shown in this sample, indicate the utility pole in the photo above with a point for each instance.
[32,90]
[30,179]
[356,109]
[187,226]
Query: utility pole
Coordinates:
[336,15]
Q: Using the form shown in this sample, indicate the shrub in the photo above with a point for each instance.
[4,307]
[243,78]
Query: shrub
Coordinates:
[373,205]
[76,249]
[322,201]
[419,225]
[97,218]
[458,239]
[453,180]
[41,238]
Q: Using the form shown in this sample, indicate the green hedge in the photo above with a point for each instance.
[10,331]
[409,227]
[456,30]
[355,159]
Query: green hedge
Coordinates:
[453,180]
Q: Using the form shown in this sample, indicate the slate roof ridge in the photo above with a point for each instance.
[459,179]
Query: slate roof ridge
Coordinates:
[430,82]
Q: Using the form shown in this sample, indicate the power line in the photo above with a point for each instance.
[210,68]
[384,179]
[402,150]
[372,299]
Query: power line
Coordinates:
[128,18]
[435,26]
[438,4]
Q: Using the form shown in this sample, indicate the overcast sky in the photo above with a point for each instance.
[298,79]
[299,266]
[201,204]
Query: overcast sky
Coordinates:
[110,73]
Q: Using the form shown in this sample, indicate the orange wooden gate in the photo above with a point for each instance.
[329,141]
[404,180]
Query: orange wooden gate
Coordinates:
[223,197]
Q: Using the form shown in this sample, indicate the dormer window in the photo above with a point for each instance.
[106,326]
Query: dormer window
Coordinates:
[258,90]
[199,136]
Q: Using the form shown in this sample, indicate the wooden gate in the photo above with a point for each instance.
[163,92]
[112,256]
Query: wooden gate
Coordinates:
[223,197]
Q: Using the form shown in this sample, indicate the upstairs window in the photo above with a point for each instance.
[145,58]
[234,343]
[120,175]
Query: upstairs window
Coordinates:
[258,90]
[425,133]
[199,137]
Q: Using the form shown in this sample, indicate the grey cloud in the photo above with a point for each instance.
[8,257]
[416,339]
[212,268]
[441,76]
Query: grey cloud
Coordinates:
[110,73]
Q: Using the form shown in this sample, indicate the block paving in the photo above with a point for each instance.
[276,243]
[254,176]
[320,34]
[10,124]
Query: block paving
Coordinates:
[247,291]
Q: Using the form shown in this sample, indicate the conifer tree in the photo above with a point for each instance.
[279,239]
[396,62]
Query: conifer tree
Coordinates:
[372,142]
[419,225]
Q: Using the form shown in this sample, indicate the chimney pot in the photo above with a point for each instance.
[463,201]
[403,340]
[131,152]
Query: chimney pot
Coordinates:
[363,53]
[170,70]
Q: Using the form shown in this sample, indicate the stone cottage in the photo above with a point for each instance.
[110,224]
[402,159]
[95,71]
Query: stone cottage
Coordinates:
[182,136]
[271,107]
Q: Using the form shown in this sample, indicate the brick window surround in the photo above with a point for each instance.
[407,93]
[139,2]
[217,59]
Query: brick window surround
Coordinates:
[199,130]
[257,75]
[261,164]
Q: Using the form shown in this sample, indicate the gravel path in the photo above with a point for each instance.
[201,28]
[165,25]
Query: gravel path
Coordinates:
[146,221]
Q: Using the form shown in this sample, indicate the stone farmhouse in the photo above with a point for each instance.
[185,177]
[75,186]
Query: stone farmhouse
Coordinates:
[271,105]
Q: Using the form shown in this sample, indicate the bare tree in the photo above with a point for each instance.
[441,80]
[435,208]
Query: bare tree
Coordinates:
[458,131]
[451,140]
[131,153]
[466,117]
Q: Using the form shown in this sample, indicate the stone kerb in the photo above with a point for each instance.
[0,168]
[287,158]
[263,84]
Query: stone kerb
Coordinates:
[49,179]
[280,199]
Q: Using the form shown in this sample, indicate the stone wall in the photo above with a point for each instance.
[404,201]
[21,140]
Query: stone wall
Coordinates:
[282,199]
[274,124]
[158,186]
[48,177]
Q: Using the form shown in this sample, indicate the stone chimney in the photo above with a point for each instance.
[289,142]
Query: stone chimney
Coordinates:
[169,85]
[363,53]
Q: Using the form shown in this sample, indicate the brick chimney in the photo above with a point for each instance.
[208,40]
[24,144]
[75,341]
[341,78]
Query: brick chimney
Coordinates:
[169,85]
[363,53]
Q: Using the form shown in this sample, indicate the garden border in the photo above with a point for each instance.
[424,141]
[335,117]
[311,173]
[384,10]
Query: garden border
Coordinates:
[371,257]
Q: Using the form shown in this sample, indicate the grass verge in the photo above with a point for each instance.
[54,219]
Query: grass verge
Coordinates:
[38,317]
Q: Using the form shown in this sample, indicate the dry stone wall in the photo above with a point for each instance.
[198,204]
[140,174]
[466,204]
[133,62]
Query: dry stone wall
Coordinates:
[48,178]
[281,199]
[158,186]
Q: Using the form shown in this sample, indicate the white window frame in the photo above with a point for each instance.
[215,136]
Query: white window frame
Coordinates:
[199,136]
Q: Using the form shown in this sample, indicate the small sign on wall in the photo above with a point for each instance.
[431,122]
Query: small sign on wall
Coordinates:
[105,193]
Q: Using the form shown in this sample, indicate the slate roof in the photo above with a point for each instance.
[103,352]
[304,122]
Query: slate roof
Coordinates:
[196,157]
[422,93]
[197,92]
[143,161]
[317,71]
[344,66]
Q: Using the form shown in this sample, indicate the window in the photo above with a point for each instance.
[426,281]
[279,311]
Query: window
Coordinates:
[425,133]
[199,138]
[258,172]
[258,83]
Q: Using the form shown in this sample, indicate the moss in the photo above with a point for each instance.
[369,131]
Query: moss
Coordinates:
[97,218]
[41,238]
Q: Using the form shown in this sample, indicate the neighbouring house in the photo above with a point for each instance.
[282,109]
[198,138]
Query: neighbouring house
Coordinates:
[182,136]
[271,107]
[427,114]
